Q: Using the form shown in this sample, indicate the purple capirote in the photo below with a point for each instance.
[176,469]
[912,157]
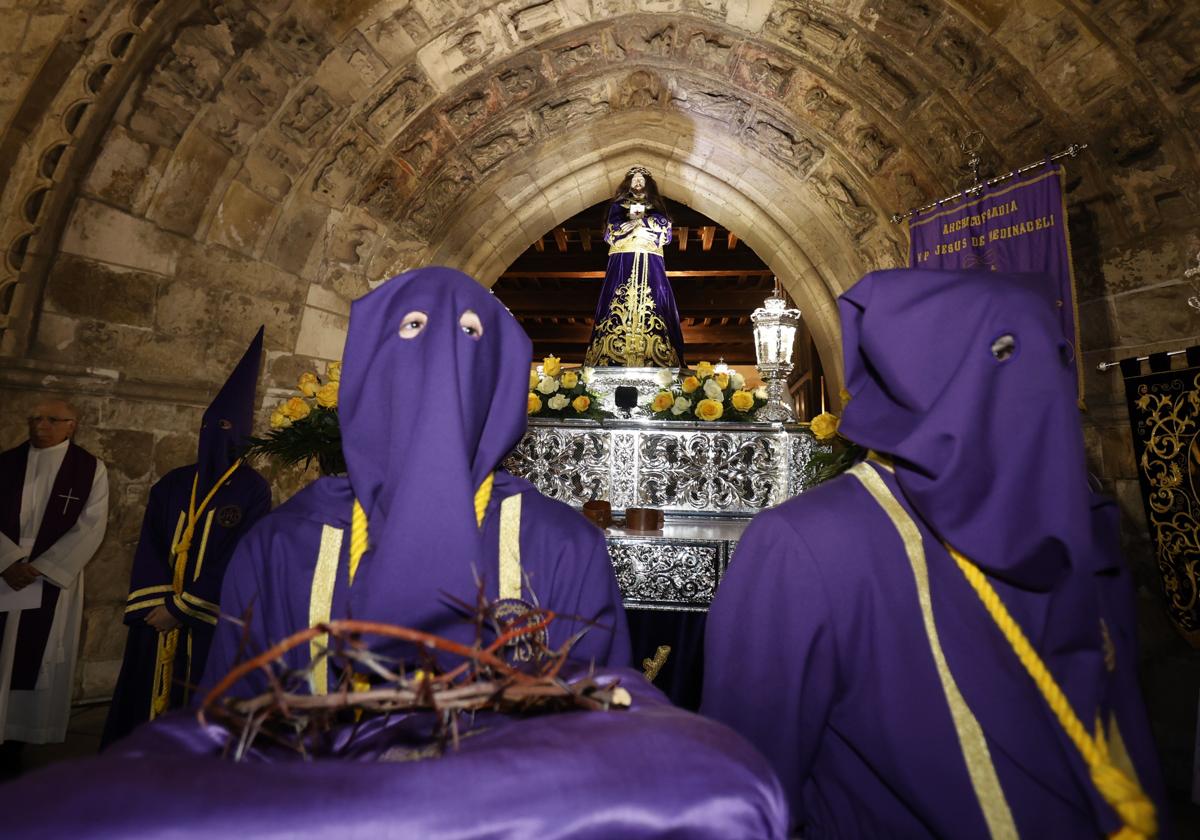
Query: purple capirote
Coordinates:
[424,421]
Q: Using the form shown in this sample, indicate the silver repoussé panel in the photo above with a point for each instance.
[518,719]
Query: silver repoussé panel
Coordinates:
[690,469]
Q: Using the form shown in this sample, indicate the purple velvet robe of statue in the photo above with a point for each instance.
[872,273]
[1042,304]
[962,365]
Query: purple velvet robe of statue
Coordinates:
[238,504]
[662,323]
[653,771]
[271,579]
[818,648]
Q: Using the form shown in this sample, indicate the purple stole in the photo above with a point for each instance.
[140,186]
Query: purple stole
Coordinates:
[72,484]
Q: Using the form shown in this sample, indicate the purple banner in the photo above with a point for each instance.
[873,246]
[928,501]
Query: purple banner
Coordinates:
[1016,226]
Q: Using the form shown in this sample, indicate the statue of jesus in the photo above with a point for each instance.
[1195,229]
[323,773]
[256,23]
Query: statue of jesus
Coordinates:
[636,323]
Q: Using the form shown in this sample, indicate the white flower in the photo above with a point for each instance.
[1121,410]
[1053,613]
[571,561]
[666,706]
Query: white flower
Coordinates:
[761,392]
[558,402]
[712,390]
[548,385]
[737,381]
[587,375]
[664,377]
[682,405]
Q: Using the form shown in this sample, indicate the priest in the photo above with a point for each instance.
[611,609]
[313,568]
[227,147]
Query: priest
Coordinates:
[940,643]
[193,521]
[53,513]
[433,396]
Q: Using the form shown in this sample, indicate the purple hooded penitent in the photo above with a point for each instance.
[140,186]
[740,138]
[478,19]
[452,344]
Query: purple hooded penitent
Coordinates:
[425,419]
[229,418]
[242,500]
[963,381]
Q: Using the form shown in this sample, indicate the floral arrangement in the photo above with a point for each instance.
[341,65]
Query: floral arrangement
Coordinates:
[824,426]
[562,393]
[706,395]
[305,427]
[842,453]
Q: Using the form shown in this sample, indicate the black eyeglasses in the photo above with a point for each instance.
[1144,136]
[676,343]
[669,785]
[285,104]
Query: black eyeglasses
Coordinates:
[33,421]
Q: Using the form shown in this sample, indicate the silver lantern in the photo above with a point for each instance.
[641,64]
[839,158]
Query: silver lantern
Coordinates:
[774,336]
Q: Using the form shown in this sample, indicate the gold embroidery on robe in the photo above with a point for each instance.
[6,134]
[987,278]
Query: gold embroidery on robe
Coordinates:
[633,334]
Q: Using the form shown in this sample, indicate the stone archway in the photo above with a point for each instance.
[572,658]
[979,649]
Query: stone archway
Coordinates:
[483,243]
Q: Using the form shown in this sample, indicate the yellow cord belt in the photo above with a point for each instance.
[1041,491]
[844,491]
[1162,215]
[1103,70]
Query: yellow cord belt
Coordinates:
[1118,789]
[168,643]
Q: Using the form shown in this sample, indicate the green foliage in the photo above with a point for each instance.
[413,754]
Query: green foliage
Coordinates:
[314,437]
[843,456]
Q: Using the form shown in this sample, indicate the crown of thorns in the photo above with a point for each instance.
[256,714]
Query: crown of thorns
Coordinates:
[638,170]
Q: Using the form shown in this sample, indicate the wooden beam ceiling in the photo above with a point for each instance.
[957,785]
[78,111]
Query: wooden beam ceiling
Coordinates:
[553,291]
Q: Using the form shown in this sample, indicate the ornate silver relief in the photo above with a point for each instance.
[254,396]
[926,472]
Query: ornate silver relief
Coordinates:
[692,469]
[571,465]
[659,574]
[703,471]
[624,471]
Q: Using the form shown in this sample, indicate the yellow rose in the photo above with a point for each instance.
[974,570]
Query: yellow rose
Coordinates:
[327,396]
[722,380]
[690,384]
[308,384]
[333,371]
[295,409]
[533,379]
[662,401]
[709,410]
[742,400]
[824,426]
[535,403]
[279,420]
[581,403]
[551,365]
[569,379]
[704,370]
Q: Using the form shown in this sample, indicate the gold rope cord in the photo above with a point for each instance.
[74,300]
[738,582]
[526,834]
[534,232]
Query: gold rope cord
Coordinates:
[633,334]
[1110,769]
[168,643]
[971,741]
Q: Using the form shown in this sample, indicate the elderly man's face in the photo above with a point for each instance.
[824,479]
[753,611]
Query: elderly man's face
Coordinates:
[50,423]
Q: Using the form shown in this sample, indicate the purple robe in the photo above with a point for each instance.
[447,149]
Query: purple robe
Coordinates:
[271,578]
[653,771]
[636,322]
[238,503]
[817,647]
[425,420]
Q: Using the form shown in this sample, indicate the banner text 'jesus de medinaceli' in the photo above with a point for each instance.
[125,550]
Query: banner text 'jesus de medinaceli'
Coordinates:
[1018,226]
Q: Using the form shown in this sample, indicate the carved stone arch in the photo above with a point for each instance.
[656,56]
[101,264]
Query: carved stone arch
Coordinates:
[484,243]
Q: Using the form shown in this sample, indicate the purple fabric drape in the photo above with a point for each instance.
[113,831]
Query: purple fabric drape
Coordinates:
[653,771]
